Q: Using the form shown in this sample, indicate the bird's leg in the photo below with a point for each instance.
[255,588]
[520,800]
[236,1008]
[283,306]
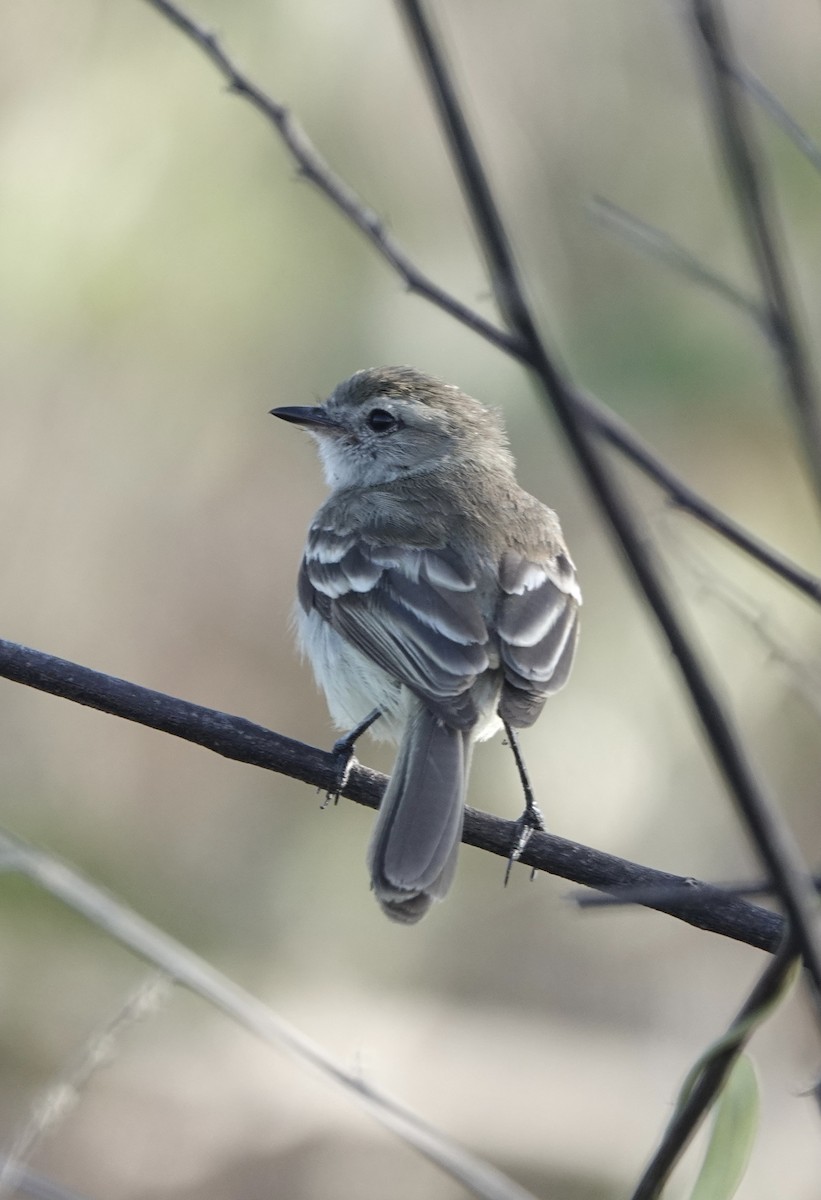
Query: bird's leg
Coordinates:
[531,818]
[343,750]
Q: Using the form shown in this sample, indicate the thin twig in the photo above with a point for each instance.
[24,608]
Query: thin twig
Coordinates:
[803,674]
[733,129]
[779,115]
[59,1098]
[34,1185]
[241,740]
[194,973]
[684,497]
[312,166]
[757,809]
[660,245]
[714,1071]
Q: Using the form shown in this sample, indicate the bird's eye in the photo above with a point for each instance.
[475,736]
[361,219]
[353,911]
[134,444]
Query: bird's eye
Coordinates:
[381,421]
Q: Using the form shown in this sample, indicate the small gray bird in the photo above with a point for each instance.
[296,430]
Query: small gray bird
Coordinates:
[434,590]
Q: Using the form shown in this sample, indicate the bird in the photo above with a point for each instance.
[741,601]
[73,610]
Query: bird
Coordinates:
[436,598]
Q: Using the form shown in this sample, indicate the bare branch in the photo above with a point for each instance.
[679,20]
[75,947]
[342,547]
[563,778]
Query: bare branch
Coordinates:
[659,245]
[620,435]
[650,896]
[316,170]
[696,903]
[756,808]
[60,1098]
[802,674]
[313,167]
[35,1186]
[192,972]
[779,115]
[713,1071]
[733,130]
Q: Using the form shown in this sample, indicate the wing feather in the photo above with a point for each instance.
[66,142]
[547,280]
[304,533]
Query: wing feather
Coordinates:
[414,612]
[537,624]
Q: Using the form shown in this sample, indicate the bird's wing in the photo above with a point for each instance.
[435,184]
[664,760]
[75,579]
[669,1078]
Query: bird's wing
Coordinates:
[413,611]
[537,626]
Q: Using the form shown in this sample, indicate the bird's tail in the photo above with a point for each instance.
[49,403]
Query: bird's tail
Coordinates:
[412,856]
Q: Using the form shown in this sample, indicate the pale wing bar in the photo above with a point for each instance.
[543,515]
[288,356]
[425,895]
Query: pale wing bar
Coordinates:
[412,611]
[537,624]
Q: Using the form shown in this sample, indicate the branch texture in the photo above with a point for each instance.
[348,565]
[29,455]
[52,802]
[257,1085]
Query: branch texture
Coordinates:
[313,168]
[697,904]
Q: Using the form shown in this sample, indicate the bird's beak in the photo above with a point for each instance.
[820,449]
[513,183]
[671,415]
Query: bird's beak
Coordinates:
[313,418]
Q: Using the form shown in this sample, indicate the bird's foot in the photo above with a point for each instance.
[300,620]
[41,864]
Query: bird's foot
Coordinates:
[529,822]
[531,819]
[343,752]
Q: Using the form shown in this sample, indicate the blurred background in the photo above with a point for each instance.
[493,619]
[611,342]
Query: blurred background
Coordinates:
[165,279]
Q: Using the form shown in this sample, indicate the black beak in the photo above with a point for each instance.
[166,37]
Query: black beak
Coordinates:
[312,417]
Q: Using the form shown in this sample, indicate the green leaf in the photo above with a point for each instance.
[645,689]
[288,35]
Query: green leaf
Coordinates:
[734,1128]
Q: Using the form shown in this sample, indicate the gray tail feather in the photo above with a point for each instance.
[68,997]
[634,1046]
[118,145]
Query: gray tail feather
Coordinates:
[412,856]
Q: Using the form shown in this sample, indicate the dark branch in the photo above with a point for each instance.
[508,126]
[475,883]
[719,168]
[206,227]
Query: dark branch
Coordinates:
[317,171]
[696,903]
[715,1073]
[313,167]
[620,435]
[649,896]
[660,245]
[756,808]
[733,129]
[233,737]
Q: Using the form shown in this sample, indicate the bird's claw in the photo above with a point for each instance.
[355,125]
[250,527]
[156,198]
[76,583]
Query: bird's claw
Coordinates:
[343,750]
[529,822]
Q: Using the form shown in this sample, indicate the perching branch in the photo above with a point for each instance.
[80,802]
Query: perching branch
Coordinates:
[617,432]
[696,903]
[756,808]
